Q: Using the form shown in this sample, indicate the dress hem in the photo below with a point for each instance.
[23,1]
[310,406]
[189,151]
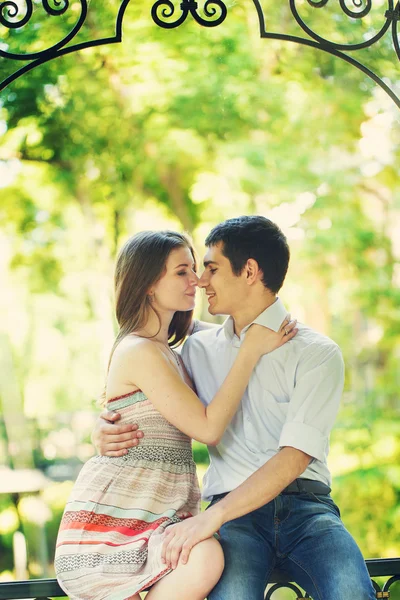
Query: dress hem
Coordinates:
[152,581]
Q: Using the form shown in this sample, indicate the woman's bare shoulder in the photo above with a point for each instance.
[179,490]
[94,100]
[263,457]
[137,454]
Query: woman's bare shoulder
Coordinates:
[134,346]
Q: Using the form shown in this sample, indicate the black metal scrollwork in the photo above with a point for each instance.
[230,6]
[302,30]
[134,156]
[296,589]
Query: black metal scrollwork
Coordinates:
[394,16]
[211,9]
[289,586]
[348,12]
[14,14]
[389,583]
[43,589]
[9,11]
[356,14]
[60,6]
[362,8]
[383,592]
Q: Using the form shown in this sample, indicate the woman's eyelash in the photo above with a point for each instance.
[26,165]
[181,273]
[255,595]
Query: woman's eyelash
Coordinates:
[186,272]
[213,270]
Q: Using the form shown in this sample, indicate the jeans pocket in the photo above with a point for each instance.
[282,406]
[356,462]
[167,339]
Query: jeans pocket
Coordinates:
[326,500]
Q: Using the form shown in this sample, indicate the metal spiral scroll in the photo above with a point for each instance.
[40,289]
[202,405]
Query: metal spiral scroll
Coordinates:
[211,9]
[355,14]
[381,592]
[10,10]
[16,14]
[390,17]
[287,586]
[60,6]
[358,14]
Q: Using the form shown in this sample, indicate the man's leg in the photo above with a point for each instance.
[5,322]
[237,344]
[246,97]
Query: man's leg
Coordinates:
[319,553]
[249,558]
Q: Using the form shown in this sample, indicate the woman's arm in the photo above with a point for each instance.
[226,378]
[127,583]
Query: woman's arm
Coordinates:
[152,372]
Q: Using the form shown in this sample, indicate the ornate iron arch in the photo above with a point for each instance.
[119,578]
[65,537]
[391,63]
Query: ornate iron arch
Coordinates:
[163,12]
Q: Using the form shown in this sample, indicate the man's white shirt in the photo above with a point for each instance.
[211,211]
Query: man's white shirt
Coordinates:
[291,400]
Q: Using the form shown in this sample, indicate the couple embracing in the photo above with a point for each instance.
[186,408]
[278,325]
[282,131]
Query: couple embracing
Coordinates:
[261,390]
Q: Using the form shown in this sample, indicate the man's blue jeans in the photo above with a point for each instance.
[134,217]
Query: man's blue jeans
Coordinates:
[302,534]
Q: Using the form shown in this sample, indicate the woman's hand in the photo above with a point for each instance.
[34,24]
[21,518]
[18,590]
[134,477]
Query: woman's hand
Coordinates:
[180,538]
[262,340]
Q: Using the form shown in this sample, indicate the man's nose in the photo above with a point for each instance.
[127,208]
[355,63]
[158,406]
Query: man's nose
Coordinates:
[203,281]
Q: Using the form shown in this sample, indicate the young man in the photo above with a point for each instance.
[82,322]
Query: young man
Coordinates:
[268,480]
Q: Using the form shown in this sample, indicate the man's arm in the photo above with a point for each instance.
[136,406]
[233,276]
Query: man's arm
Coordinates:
[110,439]
[259,489]
[263,486]
[304,436]
[115,440]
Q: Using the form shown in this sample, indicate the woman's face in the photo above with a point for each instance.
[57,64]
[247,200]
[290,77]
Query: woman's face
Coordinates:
[176,290]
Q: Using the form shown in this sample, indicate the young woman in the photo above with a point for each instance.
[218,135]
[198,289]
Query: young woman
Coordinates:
[111,535]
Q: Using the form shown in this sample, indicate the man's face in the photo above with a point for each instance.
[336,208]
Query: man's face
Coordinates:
[226,292]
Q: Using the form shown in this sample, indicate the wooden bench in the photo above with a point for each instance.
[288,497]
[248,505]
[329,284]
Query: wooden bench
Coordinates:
[41,589]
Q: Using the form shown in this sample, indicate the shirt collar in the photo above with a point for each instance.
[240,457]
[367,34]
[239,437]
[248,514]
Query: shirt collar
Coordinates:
[272,317]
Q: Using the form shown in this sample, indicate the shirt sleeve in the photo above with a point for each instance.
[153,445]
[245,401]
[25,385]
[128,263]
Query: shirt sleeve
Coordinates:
[185,355]
[315,401]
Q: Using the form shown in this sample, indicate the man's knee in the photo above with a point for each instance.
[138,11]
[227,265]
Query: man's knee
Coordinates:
[342,578]
[351,580]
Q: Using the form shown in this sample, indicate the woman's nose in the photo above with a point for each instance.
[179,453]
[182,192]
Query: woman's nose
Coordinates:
[194,279]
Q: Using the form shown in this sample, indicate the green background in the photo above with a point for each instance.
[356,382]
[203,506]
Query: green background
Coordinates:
[182,129]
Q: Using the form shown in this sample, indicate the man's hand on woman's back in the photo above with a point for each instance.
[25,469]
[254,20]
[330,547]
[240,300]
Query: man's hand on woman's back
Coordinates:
[111,439]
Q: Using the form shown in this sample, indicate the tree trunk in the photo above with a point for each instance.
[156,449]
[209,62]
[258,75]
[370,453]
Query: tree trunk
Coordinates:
[20,448]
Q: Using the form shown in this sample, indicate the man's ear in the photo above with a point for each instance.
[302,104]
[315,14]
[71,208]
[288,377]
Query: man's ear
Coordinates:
[252,271]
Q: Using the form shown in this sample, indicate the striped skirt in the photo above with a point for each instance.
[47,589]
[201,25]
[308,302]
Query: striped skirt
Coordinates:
[111,534]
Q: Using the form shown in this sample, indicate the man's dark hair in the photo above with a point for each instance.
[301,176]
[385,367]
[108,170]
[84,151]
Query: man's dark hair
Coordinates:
[254,237]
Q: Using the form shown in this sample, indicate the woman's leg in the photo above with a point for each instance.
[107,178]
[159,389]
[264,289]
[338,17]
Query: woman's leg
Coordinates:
[194,580]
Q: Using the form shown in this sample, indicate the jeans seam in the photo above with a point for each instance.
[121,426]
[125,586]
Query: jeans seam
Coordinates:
[277,529]
[308,575]
[334,507]
[289,510]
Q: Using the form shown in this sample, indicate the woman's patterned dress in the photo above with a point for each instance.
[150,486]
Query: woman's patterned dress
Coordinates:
[111,534]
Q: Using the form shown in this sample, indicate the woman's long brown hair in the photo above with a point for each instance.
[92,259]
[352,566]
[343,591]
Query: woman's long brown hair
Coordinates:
[140,264]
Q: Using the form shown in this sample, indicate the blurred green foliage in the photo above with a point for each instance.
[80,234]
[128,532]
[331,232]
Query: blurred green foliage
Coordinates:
[184,128]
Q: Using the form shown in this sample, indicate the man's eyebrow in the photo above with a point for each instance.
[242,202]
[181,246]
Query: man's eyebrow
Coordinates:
[209,262]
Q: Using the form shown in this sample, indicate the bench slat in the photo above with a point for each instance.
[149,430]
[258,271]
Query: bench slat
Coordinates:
[49,588]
